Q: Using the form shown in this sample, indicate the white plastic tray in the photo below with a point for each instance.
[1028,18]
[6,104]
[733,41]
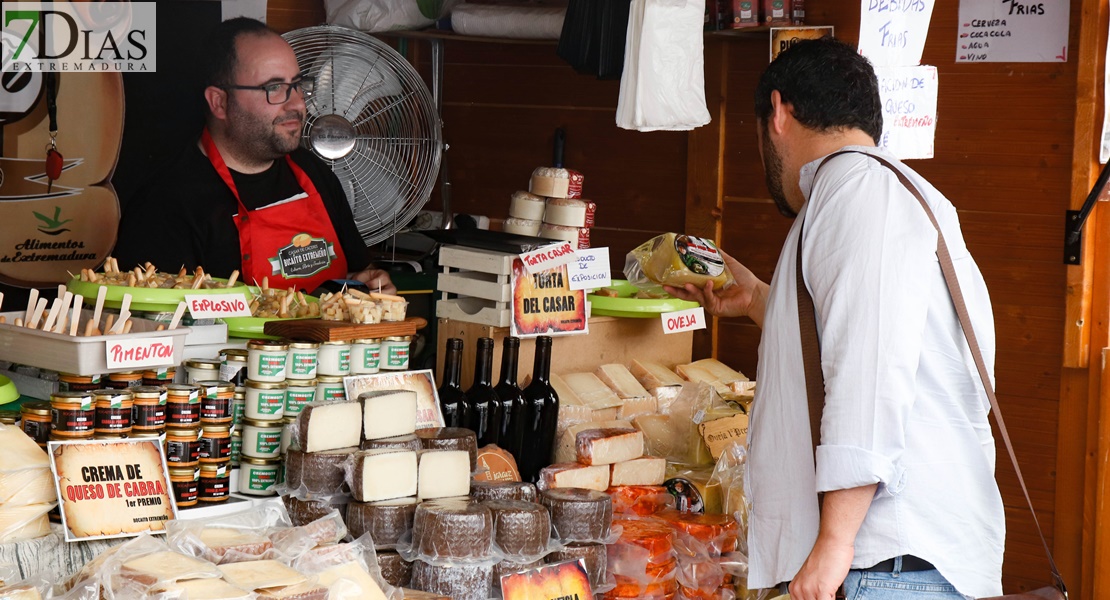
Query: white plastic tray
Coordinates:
[75,355]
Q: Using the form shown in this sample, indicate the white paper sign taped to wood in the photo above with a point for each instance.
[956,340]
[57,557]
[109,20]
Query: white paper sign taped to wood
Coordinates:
[1012,31]
[892,32]
[909,99]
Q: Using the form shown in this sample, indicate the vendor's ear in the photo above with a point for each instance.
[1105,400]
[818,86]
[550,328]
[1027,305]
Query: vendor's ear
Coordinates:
[780,111]
[216,98]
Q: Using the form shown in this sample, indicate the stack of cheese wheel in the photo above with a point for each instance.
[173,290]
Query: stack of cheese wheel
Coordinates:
[552,208]
[700,573]
[525,214]
[643,561]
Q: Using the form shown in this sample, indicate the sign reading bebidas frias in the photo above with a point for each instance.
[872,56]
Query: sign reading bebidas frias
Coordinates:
[110,489]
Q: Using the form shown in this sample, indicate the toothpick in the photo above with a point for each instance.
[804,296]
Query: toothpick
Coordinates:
[99,305]
[126,306]
[63,313]
[177,314]
[75,318]
[53,316]
[120,323]
[32,300]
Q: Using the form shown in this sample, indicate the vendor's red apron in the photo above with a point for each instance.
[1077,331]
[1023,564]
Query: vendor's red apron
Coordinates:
[292,243]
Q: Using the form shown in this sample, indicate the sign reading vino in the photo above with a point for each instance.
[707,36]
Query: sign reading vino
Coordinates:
[545,304]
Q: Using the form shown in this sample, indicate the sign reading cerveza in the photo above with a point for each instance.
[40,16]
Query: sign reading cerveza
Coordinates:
[77,37]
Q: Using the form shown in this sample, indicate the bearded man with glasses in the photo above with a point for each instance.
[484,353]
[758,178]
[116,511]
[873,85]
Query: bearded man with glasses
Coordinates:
[246,196]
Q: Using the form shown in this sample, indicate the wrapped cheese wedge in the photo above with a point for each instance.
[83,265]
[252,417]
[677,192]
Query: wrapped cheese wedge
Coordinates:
[677,259]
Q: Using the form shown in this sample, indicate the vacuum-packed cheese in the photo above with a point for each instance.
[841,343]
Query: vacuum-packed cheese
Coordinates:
[377,475]
[579,515]
[259,574]
[724,373]
[653,375]
[527,227]
[620,380]
[318,473]
[567,212]
[350,581]
[591,391]
[388,413]
[329,425]
[386,521]
[566,448]
[677,259]
[608,446]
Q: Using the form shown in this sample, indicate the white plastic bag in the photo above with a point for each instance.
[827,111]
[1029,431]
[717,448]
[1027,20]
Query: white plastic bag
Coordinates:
[386,15]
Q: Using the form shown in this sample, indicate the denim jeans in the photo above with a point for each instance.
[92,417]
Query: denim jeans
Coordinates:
[899,585]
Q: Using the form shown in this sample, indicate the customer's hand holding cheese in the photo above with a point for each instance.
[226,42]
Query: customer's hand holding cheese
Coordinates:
[246,196]
[745,298]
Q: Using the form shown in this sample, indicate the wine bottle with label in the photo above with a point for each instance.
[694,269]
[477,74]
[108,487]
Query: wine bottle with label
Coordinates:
[511,436]
[483,405]
[452,400]
[543,414]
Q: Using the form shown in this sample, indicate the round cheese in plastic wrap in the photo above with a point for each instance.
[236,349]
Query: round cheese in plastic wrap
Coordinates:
[396,571]
[521,530]
[502,490]
[386,521]
[399,442]
[677,259]
[459,582]
[579,515]
[316,474]
[453,530]
[592,554]
[508,567]
[303,512]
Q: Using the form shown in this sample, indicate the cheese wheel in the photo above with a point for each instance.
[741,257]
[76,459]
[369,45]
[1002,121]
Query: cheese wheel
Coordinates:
[396,571]
[303,512]
[502,490]
[460,582]
[559,232]
[453,530]
[676,259]
[388,413]
[530,227]
[555,182]
[317,473]
[592,554]
[382,475]
[329,425]
[641,500]
[223,545]
[509,567]
[450,438]
[386,521]
[520,529]
[579,515]
[400,442]
[565,211]
[527,206]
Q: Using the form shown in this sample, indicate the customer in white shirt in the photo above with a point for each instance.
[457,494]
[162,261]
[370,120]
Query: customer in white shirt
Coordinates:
[906,458]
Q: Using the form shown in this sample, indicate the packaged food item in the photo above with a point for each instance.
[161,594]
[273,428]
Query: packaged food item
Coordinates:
[574,475]
[449,531]
[641,500]
[579,515]
[386,521]
[677,259]
[608,446]
[316,474]
[521,530]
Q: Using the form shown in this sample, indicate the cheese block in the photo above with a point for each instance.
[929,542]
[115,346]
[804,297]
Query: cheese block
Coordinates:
[634,407]
[529,227]
[520,529]
[724,373]
[317,473]
[503,490]
[453,530]
[676,259]
[526,206]
[167,566]
[556,182]
[309,590]
[382,475]
[18,451]
[450,438]
[27,486]
[296,540]
[642,500]
[222,545]
[329,425]
[743,388]
[566,449]
[620,380]
[591,391]
[211,589]
[661,437]
[459,582]
[653,375]
[396,571]
[574,475]
[400,442]
[386,521]
[700,374]
[646,470]
[509,567]
[259,574]
[565,211]
[350,581]
[388,413]
[326,555]
[303,512]
[18,523]
[593,555]
[608,446]
[443,474]
[579,515]
[20,591]
[665,396]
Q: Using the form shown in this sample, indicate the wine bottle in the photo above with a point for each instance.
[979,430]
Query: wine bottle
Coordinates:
[483,406]
[452,400]
[543,414]
[511,435]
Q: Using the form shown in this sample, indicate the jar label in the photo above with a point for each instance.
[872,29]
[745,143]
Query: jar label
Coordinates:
[304,364]
[182,452]
[270,403]
[237,411]
[37,430]
[372,357]
[268,442]
[185,491]
[236,447]
[260,480]
[148,416]
[215,448]
[334,393]
[215,408]
[232,372]
[271,365]
[398,356]
[295,401]
[345,360]
[72,419]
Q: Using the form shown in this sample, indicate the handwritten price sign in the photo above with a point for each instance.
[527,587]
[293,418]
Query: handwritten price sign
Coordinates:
[548,257]
[215,306]
[143,352]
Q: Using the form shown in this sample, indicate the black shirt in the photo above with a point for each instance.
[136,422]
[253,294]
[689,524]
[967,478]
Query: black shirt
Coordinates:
[183,216]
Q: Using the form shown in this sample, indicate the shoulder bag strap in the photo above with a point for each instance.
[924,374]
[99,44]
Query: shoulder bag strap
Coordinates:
[811,348]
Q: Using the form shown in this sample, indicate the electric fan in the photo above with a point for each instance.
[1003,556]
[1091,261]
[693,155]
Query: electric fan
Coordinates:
[374,121]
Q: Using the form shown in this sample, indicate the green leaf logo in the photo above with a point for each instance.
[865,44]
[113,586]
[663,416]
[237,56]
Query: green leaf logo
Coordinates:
[51,226]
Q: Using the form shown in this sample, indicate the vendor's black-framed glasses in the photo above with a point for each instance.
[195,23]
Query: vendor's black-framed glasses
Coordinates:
[279,92]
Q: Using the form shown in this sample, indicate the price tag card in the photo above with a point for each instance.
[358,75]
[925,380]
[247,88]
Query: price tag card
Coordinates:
[215,306]
[683,320]
[559,580]
[142,352]
[591,270]
[548,257]
[111,489]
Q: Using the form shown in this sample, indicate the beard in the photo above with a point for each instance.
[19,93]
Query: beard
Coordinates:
[259,139]
[772,169]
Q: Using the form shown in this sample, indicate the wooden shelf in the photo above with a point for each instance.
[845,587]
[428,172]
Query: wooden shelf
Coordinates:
[318,330]
[439,34]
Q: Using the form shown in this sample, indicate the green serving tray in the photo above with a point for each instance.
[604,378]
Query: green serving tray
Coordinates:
[146,299]
[626,306]
[251,327]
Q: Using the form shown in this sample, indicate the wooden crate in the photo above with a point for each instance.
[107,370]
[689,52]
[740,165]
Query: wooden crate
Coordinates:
[482,281]
[610,340]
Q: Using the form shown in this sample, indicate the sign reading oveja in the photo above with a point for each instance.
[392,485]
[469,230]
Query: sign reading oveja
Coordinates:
[101,36]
